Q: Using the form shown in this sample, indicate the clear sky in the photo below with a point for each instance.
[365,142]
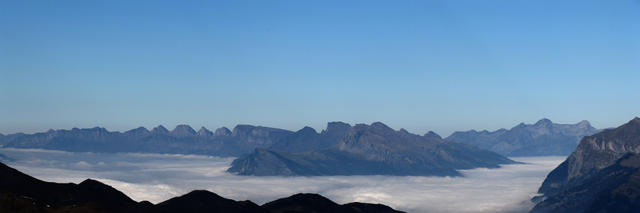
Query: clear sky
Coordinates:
[420,65]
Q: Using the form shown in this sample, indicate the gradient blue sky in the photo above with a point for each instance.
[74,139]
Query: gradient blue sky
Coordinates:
[419,65]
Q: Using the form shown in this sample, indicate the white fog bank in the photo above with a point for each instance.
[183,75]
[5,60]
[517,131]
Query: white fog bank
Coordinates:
[157,177]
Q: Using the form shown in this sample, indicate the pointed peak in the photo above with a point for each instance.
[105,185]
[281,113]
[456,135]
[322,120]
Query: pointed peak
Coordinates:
[222,131]
[183,130]
[584,123]
[633,122]
[307,129]
[160,130]
[379,124]
[543,122]
[139,130]
[432,134]
[204,132]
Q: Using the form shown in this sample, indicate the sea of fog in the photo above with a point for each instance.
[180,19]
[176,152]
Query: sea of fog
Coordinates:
[157,177]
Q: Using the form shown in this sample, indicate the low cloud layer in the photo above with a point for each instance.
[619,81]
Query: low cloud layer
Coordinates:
[157,177]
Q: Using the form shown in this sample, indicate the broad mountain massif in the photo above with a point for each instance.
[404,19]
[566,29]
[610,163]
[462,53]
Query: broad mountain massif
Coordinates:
[22,193]
[374,149]
[539,139]
[601,175]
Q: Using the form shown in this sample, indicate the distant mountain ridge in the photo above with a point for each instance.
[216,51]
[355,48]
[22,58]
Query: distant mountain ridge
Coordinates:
[181,140]
[362,149]
[22,193]
[542,138]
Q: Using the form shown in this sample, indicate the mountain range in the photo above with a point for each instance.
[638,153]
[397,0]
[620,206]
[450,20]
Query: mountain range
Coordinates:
[601,175]
[22,193]
[539,139]
[181,140]
[362,149]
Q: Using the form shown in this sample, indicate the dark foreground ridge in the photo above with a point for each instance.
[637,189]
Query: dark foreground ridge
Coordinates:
[22,193]
[372,149]
[601,175]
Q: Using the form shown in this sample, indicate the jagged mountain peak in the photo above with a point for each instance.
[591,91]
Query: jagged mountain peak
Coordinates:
[204,132]
[160,130]
[432,134]
[222,131]
[138,130]
[543,122]
[183,130]
[307,129]
[584,123]
[380,125]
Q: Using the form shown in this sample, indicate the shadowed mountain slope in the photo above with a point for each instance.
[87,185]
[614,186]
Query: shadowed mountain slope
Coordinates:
[601,175]
[613,189]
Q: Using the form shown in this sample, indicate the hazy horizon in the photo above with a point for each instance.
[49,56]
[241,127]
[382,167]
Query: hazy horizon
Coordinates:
[437,66]
[196,128]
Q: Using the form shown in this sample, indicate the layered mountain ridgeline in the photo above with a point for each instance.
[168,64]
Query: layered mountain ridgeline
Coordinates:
[182,140]
[22,193]
[597,173]
[539,139]
[372,149]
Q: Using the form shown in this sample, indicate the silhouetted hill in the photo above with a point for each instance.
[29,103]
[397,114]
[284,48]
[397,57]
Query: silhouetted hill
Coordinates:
[539,139]
[206,201]
[22,193]
[372,149]
[302,203]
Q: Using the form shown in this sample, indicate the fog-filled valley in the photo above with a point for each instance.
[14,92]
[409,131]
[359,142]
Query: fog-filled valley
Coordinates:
[157,177]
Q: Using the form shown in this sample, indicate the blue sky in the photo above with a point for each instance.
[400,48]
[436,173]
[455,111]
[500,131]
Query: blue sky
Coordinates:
[419,65]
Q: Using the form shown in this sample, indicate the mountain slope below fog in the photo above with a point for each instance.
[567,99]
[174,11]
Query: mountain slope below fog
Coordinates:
[372,149]
[22,193]
[539,139]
